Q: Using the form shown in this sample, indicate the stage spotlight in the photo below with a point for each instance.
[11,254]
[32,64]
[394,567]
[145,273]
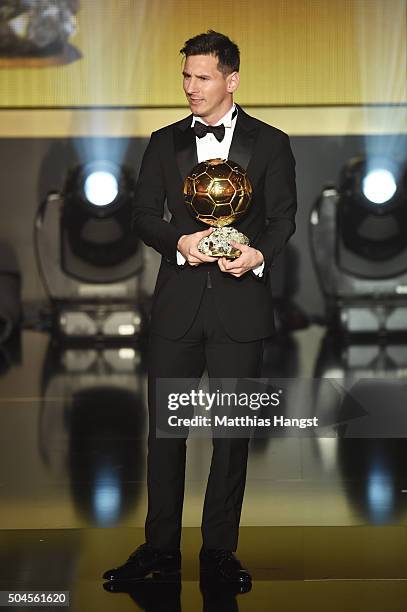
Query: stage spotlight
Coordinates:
[379,186]
[358,234]
[101,187]
[375,183]
[89,258]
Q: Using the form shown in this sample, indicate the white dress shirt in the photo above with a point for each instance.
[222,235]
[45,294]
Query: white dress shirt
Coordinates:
[209,147]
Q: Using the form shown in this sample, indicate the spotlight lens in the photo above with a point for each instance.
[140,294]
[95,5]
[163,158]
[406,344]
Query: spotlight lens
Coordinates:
[379,186]
[101,188]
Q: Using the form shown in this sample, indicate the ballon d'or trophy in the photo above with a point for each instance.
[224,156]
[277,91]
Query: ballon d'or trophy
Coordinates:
[218,192]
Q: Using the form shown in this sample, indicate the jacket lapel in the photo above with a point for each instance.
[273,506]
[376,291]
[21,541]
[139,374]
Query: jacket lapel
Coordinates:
[244,139]
[241,149]
[185,147]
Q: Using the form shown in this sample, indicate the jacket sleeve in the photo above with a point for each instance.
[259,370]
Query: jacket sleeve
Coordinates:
[148,205]
[281,203]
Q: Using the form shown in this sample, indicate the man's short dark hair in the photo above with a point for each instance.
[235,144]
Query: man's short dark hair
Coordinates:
[219,45]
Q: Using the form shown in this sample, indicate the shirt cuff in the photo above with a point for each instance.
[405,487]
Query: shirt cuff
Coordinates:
[180,259]
[259,270]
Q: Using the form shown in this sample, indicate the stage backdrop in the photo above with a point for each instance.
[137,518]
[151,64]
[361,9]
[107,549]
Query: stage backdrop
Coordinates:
[294,52]
[330,73]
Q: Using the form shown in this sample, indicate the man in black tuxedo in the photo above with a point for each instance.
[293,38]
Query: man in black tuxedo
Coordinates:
[207,311]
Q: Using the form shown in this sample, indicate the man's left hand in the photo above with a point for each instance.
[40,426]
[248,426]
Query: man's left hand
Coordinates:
[249,259]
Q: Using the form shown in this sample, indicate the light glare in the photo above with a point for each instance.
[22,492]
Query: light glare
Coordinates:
[101,188]
[379,186]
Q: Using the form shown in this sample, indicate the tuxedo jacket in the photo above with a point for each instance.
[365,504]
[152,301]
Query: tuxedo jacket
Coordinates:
[243,304]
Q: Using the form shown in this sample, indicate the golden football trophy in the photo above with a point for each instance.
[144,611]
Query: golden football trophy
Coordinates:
[218,192]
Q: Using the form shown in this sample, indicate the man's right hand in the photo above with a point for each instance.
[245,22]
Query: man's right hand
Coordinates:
[188,247]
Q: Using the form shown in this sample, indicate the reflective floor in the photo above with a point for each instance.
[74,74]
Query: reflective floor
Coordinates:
[323,522]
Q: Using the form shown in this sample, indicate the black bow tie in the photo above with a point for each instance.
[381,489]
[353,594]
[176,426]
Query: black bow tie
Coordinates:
[202,130]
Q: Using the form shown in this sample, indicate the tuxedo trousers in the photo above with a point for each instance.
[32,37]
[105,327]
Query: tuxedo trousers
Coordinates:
[205,344]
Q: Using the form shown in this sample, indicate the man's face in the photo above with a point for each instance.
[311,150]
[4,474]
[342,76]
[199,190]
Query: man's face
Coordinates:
[208,91]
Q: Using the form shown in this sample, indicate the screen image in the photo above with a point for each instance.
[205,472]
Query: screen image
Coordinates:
[87,53]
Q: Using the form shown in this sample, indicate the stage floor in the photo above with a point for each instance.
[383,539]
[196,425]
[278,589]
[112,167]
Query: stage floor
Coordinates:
[293,568]
[323,521]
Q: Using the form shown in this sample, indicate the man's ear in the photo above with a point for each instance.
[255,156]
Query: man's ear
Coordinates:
[233,81]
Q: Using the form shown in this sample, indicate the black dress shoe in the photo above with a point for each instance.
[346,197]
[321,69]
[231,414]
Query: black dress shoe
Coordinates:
[222,566]
[146,561]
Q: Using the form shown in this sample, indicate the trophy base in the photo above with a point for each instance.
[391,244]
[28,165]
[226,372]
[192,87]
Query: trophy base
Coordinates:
[218,243]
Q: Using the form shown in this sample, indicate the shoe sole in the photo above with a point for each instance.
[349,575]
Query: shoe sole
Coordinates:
[210,574]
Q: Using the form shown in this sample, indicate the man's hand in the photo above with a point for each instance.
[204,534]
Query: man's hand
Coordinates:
[188,247]
[249,259]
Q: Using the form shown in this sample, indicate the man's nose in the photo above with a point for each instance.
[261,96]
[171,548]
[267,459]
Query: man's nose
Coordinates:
[192,86]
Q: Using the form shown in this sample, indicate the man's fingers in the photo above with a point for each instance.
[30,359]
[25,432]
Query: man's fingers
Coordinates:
[196,257]
[206,232]
[238,245]
[201,256]
[202,259]
[233,265]
[221,264]
[236,271]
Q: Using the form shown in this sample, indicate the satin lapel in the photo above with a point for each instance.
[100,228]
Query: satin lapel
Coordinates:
[185,147]
[244,138]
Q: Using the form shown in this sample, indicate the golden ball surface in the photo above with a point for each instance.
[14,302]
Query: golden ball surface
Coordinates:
[218,192]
